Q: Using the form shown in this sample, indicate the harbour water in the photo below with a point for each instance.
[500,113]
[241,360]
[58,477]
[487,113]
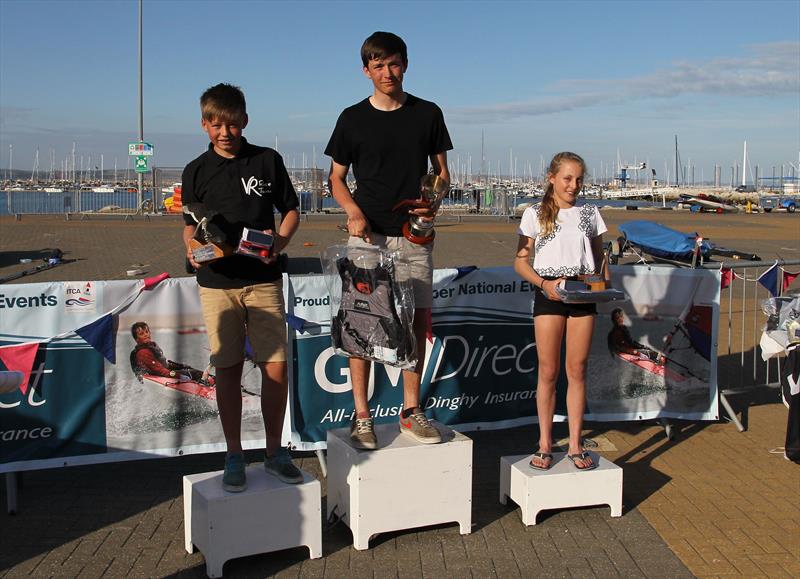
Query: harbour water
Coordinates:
[38,202]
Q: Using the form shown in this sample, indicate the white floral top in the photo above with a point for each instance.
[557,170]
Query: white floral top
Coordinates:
[567,250]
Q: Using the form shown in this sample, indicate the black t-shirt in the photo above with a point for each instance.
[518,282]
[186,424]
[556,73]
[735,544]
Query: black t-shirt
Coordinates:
[245,191]
[389,153]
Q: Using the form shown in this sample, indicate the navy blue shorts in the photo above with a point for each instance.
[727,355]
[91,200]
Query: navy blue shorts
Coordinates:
[543,306]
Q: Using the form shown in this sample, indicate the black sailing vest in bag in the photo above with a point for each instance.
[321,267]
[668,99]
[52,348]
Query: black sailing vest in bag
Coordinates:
[367,324]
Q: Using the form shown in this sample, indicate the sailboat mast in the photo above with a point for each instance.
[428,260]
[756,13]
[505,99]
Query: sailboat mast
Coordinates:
[677,175]
[744,165]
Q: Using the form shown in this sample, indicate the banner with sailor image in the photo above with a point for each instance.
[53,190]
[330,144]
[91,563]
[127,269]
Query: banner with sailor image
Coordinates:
[84,402]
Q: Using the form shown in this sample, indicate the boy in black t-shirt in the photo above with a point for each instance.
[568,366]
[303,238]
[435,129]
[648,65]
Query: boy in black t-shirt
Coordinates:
[388,139]
[241,295]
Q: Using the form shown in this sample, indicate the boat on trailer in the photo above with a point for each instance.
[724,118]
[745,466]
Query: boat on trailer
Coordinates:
[667,245]
[704,202]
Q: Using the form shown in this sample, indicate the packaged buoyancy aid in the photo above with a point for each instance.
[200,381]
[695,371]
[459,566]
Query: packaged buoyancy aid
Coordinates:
[367,324]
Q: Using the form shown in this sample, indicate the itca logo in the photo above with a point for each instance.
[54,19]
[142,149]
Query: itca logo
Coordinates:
[79,296]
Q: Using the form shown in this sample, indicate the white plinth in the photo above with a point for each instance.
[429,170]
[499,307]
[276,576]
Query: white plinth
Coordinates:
[269,516]
[562,486]
[402,485]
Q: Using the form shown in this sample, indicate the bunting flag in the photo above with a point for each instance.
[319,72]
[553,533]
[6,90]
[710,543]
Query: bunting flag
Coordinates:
[788,278]
[248,348]
[769,279]
[295,322]
[464,270]
[429,324]
[100,335]
[151,282]
[727,277]
[20,358]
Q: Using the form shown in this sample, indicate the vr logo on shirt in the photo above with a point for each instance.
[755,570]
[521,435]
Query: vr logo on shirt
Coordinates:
[259,187]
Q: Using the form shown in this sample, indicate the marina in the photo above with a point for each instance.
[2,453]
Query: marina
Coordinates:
[495,198]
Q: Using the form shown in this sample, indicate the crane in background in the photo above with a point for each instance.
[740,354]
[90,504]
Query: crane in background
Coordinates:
[623,176]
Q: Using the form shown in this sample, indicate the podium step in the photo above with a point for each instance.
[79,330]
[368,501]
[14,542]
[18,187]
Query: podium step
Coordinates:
[402,485]
[269,516]
[562,486]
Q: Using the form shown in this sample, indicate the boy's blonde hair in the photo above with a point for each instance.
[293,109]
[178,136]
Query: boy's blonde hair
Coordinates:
[224,102]
[549,211]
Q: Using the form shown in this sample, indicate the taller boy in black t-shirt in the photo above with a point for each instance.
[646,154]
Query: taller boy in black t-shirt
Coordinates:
[388,139]
[242,296]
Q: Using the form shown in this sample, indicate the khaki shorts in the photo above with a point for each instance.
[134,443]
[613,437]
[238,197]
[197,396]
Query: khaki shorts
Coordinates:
[419,258]
[256,311]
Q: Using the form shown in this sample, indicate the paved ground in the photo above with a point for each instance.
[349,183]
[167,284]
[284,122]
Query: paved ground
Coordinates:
[712,502]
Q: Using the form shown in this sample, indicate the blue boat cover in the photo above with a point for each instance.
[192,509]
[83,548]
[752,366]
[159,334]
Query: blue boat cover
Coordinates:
[661,241]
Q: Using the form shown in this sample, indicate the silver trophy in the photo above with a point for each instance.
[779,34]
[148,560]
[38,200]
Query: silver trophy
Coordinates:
[432,190]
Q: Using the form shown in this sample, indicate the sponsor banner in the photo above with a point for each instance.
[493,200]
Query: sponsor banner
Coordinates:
[62,412]
[78,408]
[40,310]
[481,368]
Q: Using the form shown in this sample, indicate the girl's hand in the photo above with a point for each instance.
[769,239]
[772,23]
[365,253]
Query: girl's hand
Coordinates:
[549,289]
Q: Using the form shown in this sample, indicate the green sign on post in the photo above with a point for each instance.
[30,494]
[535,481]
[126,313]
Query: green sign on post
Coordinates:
[140,164]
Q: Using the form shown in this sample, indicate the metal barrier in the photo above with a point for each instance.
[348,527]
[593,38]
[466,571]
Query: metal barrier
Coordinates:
[81,202]
[490,201]
[741,324]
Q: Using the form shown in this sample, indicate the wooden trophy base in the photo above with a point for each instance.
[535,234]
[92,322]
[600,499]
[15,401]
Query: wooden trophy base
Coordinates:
[596,284]
[208,252]
[418,239]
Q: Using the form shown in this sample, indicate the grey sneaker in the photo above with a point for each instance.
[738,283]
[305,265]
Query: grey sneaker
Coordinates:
[281,466]
[418,427]
[234,479]
[362,434]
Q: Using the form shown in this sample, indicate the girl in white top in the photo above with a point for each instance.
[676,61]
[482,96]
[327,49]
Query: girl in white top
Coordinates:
[565,241]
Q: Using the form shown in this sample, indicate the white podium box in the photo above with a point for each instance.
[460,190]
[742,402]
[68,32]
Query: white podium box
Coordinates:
[269,515]
[402,485]
[562,486]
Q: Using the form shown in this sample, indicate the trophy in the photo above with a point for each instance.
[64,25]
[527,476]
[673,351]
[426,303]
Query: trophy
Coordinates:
[208,243]
[256,244]
[432,189]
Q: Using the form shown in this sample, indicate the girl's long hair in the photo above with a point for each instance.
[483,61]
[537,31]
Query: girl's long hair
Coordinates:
[549,211]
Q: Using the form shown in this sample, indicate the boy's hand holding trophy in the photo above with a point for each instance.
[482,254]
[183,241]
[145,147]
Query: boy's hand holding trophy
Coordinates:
[208,243]
[419,229]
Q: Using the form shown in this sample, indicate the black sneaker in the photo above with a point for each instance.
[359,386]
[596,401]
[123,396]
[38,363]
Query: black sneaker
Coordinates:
[281,466]
[234,479]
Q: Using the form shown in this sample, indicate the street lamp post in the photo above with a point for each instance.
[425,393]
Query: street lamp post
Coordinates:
[140,176]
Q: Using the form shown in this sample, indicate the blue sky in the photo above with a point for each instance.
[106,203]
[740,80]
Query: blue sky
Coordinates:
[608,80]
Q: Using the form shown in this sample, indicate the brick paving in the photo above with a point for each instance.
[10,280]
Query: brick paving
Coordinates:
[712,502]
